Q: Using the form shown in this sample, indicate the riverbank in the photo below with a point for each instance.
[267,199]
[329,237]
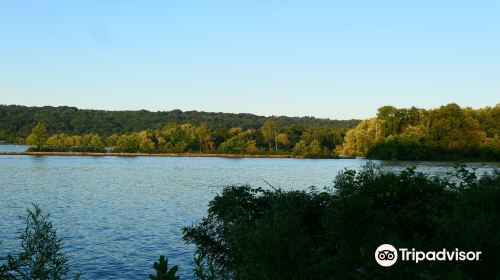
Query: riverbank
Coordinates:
[142,155]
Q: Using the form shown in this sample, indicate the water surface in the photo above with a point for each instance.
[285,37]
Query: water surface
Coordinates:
[13,148]
[117,215]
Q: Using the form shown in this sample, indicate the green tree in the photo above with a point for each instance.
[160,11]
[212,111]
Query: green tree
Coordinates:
[203,134]
[234,145]
[146,144]
[127,143]
[358,140]
[56,140]
[314,149]
[38,136]
[41,256]
[251,147]
[96,143]
[282,138]
[268,130]
[112,140]
[300,148]
[3,136]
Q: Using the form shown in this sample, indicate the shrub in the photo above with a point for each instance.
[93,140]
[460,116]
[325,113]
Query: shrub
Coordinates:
[252,233]
[162,271]
[41,256]
[394,150]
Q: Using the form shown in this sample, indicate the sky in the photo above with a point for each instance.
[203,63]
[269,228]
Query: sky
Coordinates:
[328,59]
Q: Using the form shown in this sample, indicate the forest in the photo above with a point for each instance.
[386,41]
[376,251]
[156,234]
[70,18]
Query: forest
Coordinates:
[445,133]
[314,142]
[17,121]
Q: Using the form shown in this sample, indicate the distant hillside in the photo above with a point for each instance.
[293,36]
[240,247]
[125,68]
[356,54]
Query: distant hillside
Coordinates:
[17,121]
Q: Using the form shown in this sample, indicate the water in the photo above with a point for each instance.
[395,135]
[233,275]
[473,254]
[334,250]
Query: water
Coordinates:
[13,148]
[117,215]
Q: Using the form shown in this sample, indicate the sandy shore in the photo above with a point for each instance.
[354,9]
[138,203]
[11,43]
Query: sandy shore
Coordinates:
[142,155]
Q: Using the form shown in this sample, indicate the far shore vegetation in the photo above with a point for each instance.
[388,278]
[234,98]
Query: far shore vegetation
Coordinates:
[446,133]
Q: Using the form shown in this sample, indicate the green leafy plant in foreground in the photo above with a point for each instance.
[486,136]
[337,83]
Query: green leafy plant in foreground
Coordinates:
[41,257]
[162,271]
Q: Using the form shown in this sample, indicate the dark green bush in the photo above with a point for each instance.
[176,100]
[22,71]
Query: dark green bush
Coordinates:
[41,256]
[413,151]
[162,270]
[252,233]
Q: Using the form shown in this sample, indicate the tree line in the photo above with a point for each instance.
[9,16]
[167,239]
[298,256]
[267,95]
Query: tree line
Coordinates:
[16,122]
[316,142]
[446,133]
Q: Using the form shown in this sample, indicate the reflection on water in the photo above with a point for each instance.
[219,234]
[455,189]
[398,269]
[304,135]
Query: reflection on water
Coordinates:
[118,215]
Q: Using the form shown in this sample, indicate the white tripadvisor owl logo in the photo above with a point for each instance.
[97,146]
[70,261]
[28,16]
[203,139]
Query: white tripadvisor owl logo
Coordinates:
[386,255]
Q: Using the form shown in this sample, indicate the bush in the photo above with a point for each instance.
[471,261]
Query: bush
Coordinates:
[252,233]
[413,151]
[41,256]
[162,271]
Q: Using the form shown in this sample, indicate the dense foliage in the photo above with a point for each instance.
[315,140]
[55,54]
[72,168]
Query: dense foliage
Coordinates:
[332,234]
[174,138]
[16,121]
[41,256]
[413,151]
[449,132]
[446,133]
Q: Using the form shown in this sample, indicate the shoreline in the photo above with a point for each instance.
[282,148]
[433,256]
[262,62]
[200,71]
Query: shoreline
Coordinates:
[142,155]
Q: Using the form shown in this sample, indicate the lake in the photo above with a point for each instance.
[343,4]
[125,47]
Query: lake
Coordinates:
[117,215]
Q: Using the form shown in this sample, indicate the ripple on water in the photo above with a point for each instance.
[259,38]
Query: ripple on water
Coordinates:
[118,215]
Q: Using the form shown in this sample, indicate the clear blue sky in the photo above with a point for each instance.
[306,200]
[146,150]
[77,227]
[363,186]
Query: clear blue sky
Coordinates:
[335,59]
